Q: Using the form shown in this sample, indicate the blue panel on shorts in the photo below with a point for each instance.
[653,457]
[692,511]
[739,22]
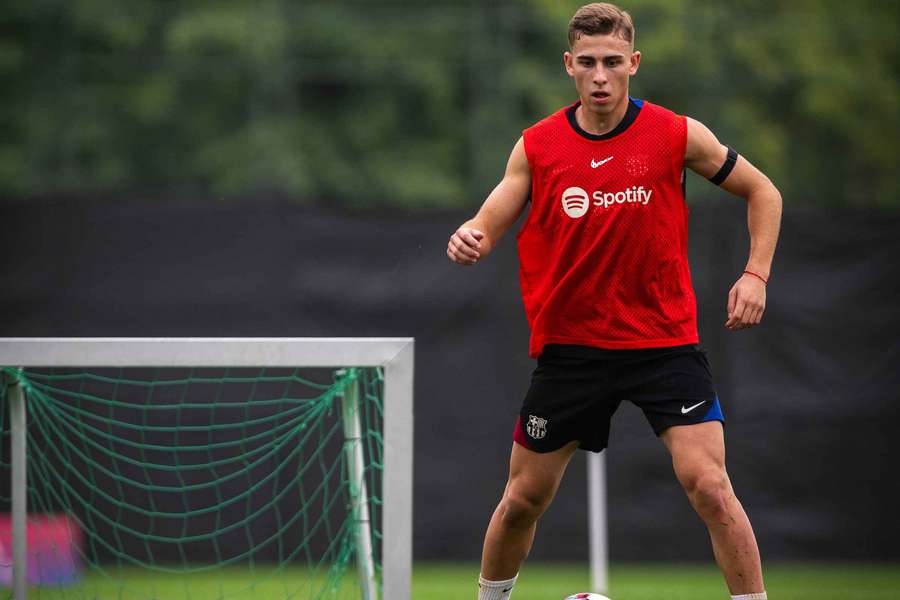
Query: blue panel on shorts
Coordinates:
[715,412]
[639,103]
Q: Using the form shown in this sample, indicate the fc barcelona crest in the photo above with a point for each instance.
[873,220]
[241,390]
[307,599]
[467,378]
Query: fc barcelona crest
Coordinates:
[537,427]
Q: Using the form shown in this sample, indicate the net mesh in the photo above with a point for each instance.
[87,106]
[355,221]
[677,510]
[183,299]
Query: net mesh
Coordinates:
[194,483]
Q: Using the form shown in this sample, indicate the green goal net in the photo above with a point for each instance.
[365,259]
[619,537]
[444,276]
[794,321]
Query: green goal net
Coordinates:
[198,483]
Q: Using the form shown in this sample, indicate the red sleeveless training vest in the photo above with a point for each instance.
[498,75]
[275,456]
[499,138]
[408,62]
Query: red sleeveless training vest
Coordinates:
[603,251]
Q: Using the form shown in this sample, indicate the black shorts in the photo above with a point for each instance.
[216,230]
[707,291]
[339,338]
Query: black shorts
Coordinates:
[576,389]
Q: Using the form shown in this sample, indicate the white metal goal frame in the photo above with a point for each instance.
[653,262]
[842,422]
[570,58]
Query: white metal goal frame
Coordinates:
[394,355]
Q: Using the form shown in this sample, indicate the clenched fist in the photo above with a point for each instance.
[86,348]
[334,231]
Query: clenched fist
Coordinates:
[464,247]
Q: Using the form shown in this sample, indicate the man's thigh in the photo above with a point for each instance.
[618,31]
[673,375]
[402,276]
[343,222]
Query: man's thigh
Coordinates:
[536,475]
[697,448]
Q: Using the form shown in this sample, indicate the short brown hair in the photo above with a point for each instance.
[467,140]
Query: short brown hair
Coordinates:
[601,18]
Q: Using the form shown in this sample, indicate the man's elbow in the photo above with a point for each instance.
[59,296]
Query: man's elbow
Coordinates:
[774,198]
[766,194]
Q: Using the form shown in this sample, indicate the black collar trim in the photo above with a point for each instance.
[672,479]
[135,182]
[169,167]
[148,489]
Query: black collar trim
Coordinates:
[634,108]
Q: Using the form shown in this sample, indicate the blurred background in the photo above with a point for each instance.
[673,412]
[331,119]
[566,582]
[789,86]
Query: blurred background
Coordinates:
[415,105]
[282,168]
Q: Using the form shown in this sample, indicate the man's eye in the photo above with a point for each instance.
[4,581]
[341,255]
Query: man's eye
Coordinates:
[586,63]
[612,62]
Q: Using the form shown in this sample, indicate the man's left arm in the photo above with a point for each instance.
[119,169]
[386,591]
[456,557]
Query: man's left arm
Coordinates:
[707,157]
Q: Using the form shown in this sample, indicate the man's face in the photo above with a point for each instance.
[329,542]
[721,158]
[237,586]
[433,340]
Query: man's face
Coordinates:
[601,66]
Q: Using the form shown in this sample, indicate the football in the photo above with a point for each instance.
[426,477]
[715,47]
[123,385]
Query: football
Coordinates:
[587,596]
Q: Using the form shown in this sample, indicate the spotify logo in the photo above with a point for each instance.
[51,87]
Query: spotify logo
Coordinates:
[575,202]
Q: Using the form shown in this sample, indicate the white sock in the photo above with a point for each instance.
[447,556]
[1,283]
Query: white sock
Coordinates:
[495,590]
[757,596]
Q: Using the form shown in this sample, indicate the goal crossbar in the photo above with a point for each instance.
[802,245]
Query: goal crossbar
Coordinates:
[394,355]
[202,352]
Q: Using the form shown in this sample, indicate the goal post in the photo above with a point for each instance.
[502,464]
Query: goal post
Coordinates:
[391,357]
[597,523]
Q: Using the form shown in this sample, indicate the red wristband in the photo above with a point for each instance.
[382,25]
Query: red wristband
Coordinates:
[760,277]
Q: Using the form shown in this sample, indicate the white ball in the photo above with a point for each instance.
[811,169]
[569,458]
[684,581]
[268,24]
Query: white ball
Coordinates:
[587,596]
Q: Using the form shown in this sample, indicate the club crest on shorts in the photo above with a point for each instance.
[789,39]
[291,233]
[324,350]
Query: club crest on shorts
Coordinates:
[536,427]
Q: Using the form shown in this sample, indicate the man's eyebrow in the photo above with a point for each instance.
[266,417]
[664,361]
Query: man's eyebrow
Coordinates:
[592,57]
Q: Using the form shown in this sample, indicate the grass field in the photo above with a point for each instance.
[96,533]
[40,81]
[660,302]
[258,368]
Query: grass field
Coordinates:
[668,581]
[672,582]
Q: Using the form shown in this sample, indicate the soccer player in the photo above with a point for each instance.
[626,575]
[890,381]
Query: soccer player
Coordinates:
[608,296]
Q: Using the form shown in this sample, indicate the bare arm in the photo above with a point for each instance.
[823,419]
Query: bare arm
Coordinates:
[479,235]
[705,155]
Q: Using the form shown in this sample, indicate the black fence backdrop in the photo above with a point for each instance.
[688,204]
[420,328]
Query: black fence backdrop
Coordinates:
[811,396]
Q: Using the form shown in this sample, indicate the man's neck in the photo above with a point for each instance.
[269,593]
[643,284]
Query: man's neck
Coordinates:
[599,124]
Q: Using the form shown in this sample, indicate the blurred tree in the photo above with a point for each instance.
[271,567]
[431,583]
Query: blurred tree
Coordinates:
[416,104]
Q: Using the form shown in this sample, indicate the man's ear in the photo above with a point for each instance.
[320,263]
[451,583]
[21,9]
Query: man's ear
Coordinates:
[567,61]
[635,62]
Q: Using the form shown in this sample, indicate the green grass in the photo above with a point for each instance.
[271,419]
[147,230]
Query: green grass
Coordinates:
[670,582]
[646,581]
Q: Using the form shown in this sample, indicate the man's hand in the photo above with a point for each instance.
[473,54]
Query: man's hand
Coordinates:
[746,303]
[464,247]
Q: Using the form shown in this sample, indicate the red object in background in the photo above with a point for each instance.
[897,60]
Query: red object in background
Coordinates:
[53,548]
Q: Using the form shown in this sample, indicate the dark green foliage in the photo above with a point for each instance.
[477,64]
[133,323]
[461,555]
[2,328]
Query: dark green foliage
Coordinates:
[417,104]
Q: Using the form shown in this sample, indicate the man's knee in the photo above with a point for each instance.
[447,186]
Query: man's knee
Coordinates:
[708,490]
[519,509]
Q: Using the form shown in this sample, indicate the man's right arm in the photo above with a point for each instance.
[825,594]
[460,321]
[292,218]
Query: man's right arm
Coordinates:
[478,236]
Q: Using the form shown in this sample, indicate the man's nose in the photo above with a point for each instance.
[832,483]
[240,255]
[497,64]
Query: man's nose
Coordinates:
[600,76]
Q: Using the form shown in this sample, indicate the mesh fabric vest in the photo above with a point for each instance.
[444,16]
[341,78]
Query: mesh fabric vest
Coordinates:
[603,251]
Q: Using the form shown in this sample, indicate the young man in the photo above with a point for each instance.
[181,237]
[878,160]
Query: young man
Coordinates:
[608,295]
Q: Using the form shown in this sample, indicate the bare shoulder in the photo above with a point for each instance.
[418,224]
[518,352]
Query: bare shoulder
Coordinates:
[518,160]
[704,153]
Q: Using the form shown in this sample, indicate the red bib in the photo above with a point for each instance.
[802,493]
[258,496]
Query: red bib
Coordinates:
[603,251]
